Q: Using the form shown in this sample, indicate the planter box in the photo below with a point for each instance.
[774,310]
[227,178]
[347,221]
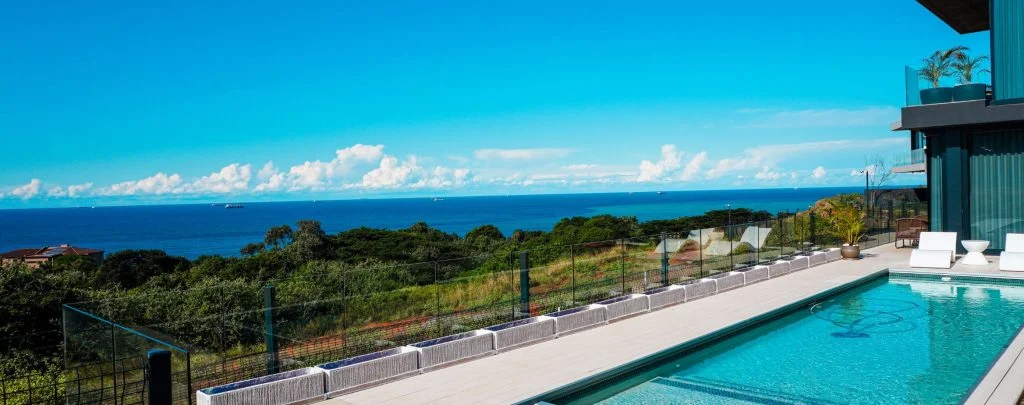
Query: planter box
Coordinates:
[626,305]
[730,280]
[969,92]
[700,289]
[514,334]
[833,254]
[797,263]
[779,268]
[817,258]
[455,348]
[755,274]
[937,95]
[665,296]
[282,388]
[575,319]
[370,369]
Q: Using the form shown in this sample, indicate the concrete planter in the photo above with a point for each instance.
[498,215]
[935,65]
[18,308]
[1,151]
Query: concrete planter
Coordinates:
[370,369]
[969,92]
[755,274]
[779,268]
[700,289]
[798,263]
[665,296]
[514,334]
[730,280]
[579,318]
[817,258]
[937,95]
[282,388]
[833,254]
[625,306]
[455,348]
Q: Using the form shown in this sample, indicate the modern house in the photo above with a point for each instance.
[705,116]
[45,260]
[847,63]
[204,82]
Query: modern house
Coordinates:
[35,257]
[972,147]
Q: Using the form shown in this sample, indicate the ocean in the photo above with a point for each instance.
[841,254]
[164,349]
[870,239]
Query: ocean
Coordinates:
[193,230]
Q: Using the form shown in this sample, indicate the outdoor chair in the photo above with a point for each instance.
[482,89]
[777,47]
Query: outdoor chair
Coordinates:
[1012,257]
[935,250]
[909,229]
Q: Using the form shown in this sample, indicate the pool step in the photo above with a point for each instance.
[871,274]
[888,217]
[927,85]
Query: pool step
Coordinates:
[702,391]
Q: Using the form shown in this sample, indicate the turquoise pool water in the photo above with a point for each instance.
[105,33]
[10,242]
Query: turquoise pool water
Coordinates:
[889,341]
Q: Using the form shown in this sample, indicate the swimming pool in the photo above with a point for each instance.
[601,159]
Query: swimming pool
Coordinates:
[899,338]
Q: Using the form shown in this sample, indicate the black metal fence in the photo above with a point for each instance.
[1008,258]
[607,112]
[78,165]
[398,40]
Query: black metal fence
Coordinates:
[235,331]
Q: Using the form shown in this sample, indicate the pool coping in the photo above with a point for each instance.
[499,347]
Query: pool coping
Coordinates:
[698,342]
[1002,382]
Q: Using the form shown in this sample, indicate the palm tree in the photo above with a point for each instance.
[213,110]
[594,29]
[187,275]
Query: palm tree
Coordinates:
[939,64]
[965,67]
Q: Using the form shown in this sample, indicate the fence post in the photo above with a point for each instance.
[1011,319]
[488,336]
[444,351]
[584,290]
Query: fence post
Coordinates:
[437,299]
[158,364]
[622,263]
[269,332]
[812,232]
[524,284]
[664,259]
[572,260]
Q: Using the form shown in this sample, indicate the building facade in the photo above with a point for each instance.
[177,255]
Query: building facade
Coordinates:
[35,257]
[972,147]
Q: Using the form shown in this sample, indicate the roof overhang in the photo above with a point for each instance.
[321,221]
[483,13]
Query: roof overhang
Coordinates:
[964,16]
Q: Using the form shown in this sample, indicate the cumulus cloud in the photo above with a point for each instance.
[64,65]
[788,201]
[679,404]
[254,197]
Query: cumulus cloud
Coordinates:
[522,154]
[819,172]
[766,173]
[770,155]
[671,160]
[27,191]
[156,184]
[232,178]
[391,173]
[318,175]
[693,168]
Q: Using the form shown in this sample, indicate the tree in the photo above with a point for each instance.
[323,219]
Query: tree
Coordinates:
[879,170]
[486,232]
[309,241]
[938,65]
[252,248]
[965,67]
[132,268]
[278,237]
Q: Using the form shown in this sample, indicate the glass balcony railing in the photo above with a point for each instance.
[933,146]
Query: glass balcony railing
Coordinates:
[921,92]
[913,157]
[916,156]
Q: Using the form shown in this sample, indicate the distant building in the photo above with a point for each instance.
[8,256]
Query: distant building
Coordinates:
[34,257]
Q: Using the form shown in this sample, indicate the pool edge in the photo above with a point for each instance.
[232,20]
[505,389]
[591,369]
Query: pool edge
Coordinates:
[699,341]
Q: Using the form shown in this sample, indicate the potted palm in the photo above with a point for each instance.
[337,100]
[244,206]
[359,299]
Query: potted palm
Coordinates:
[935,68]
[847,223]
[965,67]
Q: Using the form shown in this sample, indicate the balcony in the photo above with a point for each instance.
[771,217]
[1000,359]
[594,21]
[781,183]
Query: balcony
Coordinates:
[928,107]
[912,162]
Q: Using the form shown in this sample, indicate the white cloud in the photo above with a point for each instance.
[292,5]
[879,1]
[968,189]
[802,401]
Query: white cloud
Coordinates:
[766,173]
[670,161]
[318,175]
[819,172]
[521,154]
[232,178]
[770,155]
[391,173]
[26,191]
[156,184]
[821,118]
[692,169]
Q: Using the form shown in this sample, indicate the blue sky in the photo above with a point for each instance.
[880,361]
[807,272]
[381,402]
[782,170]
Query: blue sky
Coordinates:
[143,102]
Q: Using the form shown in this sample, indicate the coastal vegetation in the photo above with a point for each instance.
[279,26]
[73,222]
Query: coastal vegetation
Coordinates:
[363,289]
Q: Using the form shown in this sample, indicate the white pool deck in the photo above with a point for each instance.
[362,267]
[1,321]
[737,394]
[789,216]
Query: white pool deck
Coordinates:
[524,373]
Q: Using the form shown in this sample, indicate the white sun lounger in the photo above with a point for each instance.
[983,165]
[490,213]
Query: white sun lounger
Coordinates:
[935,250]
[1012,258]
